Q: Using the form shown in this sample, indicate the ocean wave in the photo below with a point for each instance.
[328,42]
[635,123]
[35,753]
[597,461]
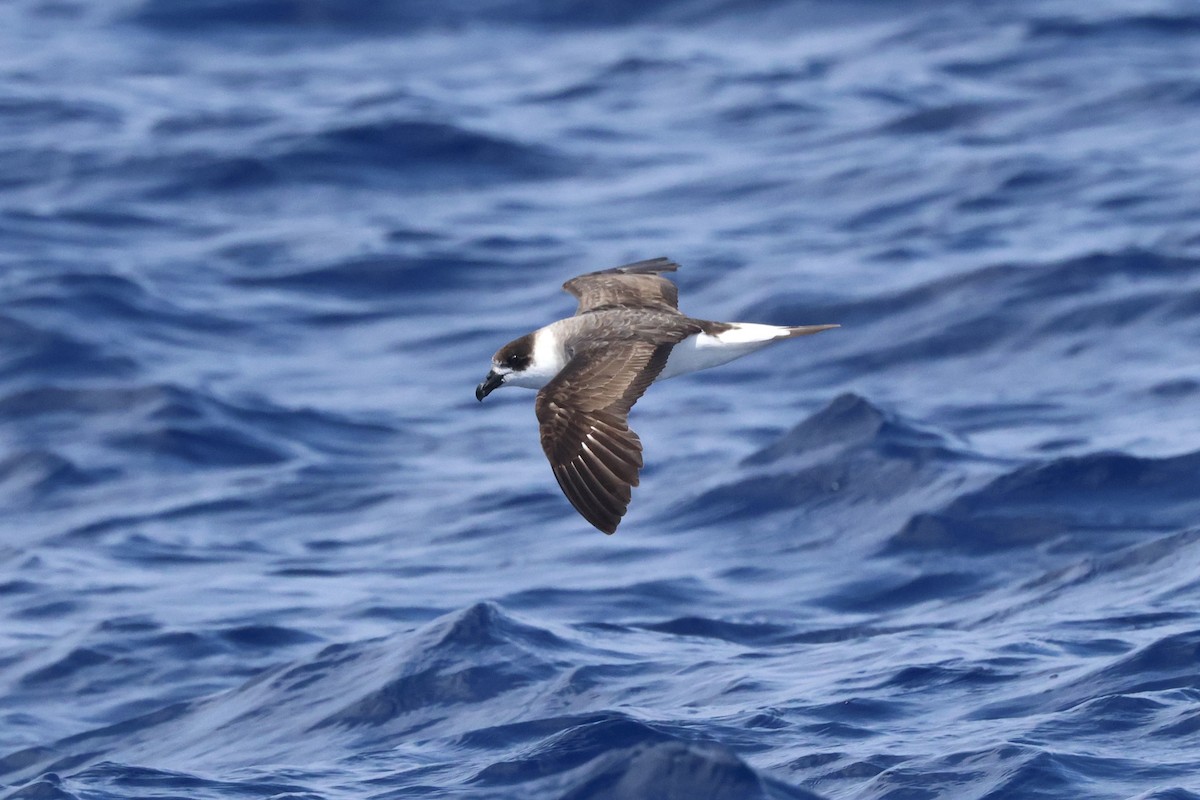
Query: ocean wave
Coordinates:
[372,277]
[1159,667]
[36,475]
[35,353]
[415,151]
[676,769]
[848,454]
[393,153]
[1073,502]
[407,683]
[259,540]
[1110,25]
[324,14]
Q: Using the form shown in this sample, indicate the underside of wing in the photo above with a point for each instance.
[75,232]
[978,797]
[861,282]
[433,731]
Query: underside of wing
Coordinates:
[637,285]
[583,415]
[599,477]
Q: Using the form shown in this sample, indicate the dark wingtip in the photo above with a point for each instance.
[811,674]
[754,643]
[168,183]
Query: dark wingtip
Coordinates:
[651,266]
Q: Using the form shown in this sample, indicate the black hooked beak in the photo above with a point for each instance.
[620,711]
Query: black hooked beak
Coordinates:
[490,383]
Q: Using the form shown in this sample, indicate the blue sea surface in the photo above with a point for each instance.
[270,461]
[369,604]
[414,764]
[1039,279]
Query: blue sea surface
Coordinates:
[258,539]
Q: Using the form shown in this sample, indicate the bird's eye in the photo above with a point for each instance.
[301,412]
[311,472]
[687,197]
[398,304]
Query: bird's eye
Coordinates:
[512,360]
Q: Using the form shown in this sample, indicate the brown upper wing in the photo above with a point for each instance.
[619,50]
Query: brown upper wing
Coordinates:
[585,431]
[637,285]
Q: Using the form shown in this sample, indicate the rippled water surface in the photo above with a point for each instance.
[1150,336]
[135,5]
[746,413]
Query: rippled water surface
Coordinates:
[258,539]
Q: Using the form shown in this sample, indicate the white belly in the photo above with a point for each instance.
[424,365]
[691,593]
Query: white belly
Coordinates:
[703,351]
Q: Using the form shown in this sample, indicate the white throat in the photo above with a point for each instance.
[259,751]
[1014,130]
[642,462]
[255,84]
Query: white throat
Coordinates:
[548,359]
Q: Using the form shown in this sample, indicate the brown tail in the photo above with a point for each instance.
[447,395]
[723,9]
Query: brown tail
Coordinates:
[805,330]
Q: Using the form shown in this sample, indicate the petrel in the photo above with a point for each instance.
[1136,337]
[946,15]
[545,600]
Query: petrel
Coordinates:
[591,368]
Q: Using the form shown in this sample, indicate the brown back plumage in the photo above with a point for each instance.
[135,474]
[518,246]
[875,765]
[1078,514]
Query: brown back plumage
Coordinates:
[636,285]
[583,412]
[616,345]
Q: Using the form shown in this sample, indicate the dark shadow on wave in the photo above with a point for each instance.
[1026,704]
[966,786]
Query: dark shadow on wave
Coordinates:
[879,594]
[45,352]
[940,119]
[36,475]
[1151,26]
[614,757]
[850,421]
[570,745]
[447,679]
[186,426]
[409,154]
[1165,665]
[111,779]
[677,770]
[849,452]
[374,276]
[46,788]
[1074,502]
[375,689]
[395,15]
[416,149]
[759,633]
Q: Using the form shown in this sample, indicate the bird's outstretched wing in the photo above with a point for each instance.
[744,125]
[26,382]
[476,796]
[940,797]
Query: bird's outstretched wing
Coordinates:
[637,285]
[583,416]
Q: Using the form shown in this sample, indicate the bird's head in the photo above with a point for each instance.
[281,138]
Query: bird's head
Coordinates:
[509,366]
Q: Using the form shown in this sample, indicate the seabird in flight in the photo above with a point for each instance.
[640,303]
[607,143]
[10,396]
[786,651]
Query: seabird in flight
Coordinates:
[591,368]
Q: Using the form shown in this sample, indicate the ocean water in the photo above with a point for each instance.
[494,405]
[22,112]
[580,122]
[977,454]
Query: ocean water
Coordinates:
[258,540]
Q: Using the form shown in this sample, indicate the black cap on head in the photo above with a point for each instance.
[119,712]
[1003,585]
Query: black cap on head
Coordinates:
[517,354]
